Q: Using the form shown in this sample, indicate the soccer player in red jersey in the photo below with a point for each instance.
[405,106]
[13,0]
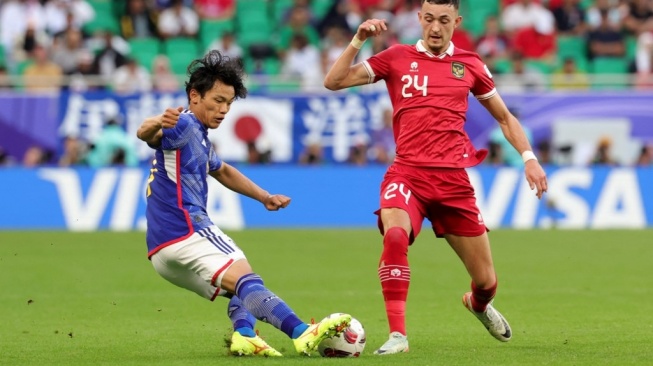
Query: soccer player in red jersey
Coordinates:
[429,83]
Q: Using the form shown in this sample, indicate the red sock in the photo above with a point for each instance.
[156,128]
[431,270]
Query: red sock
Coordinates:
[394,274]
[482,296]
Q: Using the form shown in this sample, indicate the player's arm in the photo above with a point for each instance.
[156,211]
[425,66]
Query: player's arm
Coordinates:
[343,74]
[514,133]
[233,179]
[151,129]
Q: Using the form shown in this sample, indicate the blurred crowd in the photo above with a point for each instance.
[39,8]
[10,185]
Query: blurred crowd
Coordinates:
[535,43]
[132,46]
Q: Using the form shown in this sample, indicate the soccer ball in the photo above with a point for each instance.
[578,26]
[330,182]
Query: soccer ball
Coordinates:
[350,343]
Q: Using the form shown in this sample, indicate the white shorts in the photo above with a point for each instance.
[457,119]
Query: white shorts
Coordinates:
[199,262]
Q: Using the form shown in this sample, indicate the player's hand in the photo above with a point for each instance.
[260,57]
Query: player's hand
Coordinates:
[536,177]
[274,202]
[170,117]
[371,28]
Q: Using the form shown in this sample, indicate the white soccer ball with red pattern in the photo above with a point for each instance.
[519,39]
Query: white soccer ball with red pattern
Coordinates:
[349,343]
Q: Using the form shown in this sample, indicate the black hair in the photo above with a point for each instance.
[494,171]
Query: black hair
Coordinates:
[204,72]
[454,3]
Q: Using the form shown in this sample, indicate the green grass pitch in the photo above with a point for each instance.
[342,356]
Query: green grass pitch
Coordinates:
[572,298]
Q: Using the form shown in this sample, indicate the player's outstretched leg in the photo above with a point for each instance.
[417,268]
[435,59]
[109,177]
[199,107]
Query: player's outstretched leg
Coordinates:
[493,321]
[245,341]
[316,333]
[267,306]
[397,343]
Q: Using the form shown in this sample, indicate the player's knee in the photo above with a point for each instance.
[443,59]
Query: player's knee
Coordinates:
[395,240]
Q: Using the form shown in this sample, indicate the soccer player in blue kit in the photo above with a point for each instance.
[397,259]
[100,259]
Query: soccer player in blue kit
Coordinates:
[185,246]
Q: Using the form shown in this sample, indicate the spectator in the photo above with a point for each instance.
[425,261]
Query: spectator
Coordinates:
[227,46]
[524,14]
[343,14]
[132,78]
[138,20]
[462,39]
[521,78]
[84,78]
[569,77]
[570,18]
[603,154]
[5,158]
[161,5]
[67,52]
[312,154]
[383,141]
[109,58]
[334,43]
[639,18]
[606,41]
[493,43]
[113,147]
[495,155]
[303,61]
[645,157]
[42,75]
[609,6]
[178,21]
[74,152]
[404,23]
[36,156]
[508,155]
[544,152]
[24,46]
[162,76]
[16,16]
[215,9]
[298,23]
[358,152]
[5,82]
[538,41]
[62,14]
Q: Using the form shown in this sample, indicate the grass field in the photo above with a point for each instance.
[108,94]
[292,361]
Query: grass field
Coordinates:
[572,298]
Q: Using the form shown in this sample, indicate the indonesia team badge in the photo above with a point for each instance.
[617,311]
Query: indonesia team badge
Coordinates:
[458,69]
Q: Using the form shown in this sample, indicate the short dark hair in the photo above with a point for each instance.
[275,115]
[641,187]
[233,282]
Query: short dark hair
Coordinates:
[204,72]
[454,3]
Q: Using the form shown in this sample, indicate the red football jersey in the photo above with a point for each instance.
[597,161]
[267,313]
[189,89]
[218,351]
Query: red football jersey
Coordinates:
[429,96]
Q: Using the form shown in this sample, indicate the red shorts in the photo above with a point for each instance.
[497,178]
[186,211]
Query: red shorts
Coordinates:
[443,195]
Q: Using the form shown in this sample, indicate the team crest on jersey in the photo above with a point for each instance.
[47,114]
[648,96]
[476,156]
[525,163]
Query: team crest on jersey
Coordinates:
[458,69]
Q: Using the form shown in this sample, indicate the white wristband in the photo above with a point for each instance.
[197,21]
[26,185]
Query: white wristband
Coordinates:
[356,43]
[528,155]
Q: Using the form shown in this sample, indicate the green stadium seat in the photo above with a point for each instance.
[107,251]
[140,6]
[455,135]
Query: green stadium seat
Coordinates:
[321,7]
[610,73]
[2,56]
[187,47]
[609,65]
[544,67]
[250,10]
[631,48]
[105,18]
[272,66]
[210,30]
[279,8]
[144,50]
[179,63]
[572,46]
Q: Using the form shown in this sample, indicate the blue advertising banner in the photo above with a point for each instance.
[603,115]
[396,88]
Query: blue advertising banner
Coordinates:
[338,121]
[328,196]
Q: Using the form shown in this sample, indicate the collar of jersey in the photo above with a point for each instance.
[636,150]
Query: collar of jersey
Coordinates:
[421,48]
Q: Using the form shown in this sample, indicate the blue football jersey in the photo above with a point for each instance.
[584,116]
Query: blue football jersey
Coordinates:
[177,188]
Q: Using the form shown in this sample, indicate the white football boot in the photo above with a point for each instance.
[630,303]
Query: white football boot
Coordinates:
[493,321]
[397,343]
